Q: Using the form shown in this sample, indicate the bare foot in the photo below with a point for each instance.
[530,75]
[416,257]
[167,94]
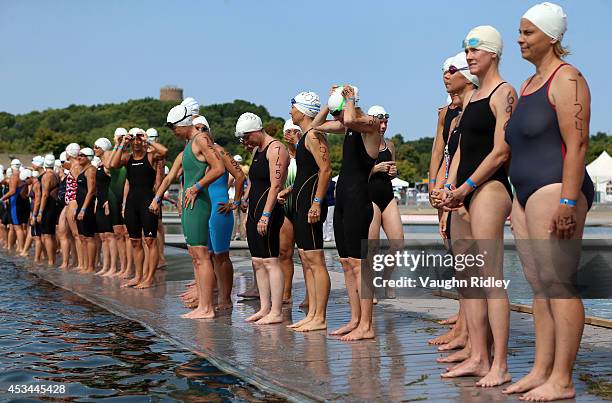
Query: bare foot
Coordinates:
[191,304]
[299,323]
[495,377]
[110,274]
[256,316]
[221,306]
[270,319]
[64,267]
[199,313]
[358,333]
[530,381]
[469,367]
[449,321]
[458,342]
[130,283]
[444,338]
[125,276]
[144,284]
[101,272]
[549,391]
[457,356]
[349,327]
[312,326]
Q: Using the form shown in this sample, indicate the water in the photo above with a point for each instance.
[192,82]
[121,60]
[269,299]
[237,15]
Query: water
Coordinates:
[49,336]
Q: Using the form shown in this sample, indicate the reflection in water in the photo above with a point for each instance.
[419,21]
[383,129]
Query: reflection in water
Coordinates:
[50,336]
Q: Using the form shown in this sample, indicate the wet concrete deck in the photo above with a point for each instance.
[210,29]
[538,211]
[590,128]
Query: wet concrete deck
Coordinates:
[397,366]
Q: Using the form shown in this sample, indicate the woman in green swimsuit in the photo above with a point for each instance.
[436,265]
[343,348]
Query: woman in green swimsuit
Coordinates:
[201,166]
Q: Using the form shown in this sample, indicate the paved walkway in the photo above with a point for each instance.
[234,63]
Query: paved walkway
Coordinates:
[397,366]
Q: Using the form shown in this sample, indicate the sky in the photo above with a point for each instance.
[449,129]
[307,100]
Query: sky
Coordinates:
[57,53]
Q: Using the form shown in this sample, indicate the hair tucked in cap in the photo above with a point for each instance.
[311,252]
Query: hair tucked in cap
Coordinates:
[289,125]
[486,38]
[308,103]
[193,106]
[179,116]
[552,20]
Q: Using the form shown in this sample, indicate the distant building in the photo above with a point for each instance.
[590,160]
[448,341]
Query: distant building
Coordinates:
[171,93]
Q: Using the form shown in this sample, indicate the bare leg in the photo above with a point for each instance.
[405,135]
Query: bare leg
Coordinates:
[112,253]
[49,242]
[276,281]
[263,284]
[138,257]
[205,282]
[320,289]
[391,222]
[310,295]
[161,240]
[152,263]
[285,257]
[365,328]
[353,296]
[224,271]
[71,219]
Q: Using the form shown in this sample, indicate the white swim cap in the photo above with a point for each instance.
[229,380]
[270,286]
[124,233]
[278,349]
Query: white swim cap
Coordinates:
[9,173]
[49,161]
[72,150]
[447,64]
[88,152]
[96,161]
[38,161]
[179,116]
[460,62]
[35,174]
[57,164]
[25,174]
[336,100]
[238,158]
[308,103]
[103,143]
[135,130]
[201,120]
[486,38]
[248,122]
[549,18]
[290,125]
[376,110]
[63,157]
[193,107]
[16,164]
[152,134]
[120,131]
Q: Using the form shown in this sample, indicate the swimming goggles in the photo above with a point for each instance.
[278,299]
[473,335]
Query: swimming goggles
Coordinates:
[381,116]
[452,69]
[474,43]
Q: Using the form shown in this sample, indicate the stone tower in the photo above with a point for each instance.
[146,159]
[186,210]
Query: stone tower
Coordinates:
[171,93]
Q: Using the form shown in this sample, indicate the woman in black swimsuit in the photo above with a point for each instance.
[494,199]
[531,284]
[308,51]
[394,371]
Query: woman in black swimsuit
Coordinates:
[548,136]
[48,212]
[353,212]
[482,187]
[386,212]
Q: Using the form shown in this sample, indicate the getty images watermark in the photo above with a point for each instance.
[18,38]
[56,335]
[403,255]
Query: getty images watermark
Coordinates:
[406,261]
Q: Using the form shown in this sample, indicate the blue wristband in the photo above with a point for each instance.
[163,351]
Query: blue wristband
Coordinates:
[350,99]
[198,186]
[266,214]
[237,202]
[569,202]
[471,183]
[449,186]
[157,199]
[316,200]
[432,181]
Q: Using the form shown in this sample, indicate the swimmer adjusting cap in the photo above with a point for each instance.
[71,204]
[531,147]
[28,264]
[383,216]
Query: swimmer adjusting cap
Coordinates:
[549,18]
[308,103]
[290,125]
[120,131]
[72,150]
[238,158]
[103,143]
[135,130]
[179,116]
[248,122]
[49,161]
[336,100]
[152,133]
[192,106]
[486,38]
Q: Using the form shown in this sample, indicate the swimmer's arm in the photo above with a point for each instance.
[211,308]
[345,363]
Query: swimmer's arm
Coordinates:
[171,177]
[215,165]
[502,105]
[159,171]
[12,186]
[37,194]
[159,149]
[232,166]
[90,175]
[316,143]
[359,121]
[437,149]
[118,157]
[278,163]
[45,194]
[572,99]
[321,123]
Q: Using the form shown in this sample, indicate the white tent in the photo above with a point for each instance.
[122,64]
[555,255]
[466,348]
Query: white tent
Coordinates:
[600,170]
[398,183]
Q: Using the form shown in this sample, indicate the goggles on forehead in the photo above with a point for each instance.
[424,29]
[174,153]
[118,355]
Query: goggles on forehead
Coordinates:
[473,43]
